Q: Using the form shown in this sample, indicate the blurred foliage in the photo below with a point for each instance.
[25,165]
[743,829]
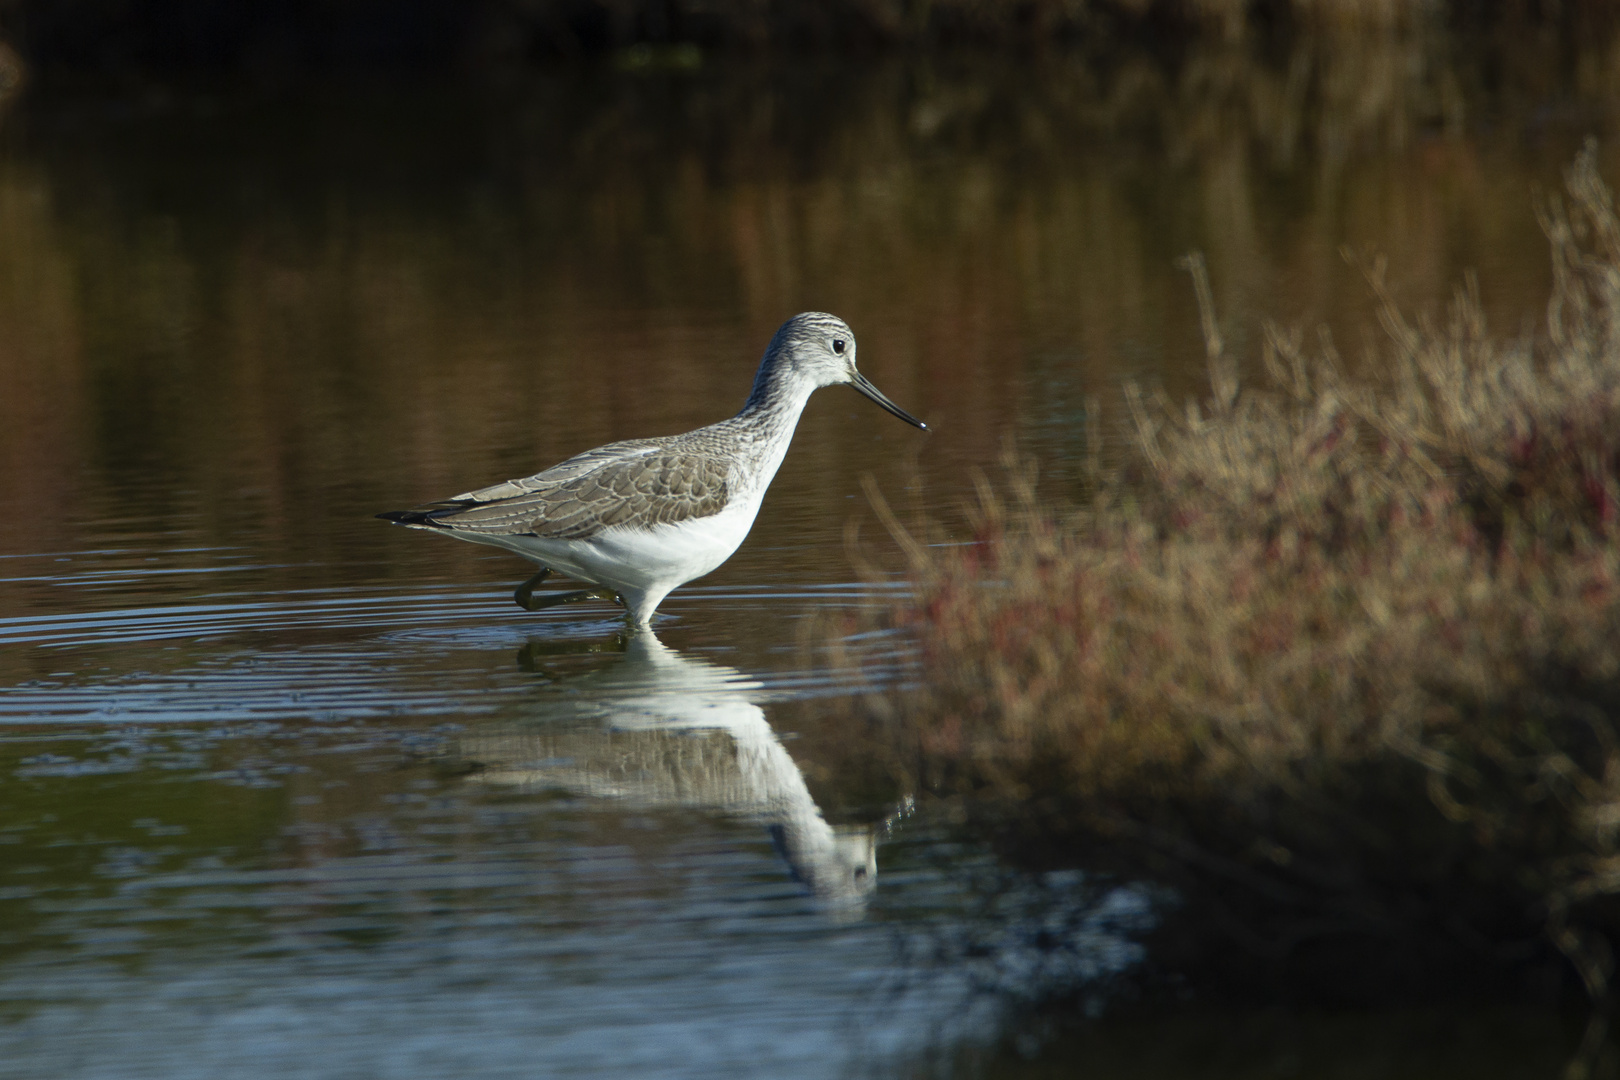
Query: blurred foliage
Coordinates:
[1338,659]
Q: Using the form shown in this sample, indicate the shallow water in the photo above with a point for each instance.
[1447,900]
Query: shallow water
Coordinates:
[406,835]
[287,791]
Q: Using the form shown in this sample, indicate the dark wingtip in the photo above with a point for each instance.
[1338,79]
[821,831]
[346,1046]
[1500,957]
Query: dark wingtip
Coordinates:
[428,515]
[409,517]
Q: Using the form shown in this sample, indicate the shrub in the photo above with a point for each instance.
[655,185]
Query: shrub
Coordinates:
[1337,656]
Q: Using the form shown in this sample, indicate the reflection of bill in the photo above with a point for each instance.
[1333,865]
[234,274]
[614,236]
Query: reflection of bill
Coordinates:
[677,732]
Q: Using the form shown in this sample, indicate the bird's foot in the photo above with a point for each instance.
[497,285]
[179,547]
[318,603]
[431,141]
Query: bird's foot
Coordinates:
[547,600]
[587,594]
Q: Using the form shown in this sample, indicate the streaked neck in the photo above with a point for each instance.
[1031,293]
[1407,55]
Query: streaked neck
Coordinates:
[778,397]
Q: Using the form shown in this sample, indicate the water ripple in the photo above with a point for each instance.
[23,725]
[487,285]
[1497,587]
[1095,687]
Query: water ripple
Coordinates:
[345,653]
[312,609]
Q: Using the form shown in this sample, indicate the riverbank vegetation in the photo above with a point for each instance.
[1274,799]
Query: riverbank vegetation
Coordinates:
[1337,659]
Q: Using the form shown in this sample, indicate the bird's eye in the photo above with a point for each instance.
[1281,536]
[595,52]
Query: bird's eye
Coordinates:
[838,346]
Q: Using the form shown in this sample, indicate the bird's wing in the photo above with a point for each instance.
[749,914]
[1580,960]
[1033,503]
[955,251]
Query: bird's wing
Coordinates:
[576,466]
[636,484]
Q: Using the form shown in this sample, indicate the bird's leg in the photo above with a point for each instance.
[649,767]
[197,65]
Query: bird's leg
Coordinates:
[529,602]
[525,592]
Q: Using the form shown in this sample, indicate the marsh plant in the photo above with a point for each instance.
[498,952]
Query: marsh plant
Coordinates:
[1338,658]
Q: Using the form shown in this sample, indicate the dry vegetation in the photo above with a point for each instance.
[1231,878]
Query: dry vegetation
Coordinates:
[1340,660]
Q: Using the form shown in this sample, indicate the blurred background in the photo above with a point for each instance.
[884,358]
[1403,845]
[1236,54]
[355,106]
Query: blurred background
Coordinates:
[269,268]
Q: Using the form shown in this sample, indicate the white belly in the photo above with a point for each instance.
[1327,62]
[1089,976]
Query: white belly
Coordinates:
[665,555]
[642,565]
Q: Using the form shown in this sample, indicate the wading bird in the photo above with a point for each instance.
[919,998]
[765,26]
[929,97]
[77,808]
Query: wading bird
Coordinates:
[637,518]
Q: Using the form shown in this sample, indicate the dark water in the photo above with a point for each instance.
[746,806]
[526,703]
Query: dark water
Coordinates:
[287,792]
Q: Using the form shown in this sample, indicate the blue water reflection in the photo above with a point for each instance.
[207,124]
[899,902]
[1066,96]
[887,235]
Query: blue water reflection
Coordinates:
[488,845]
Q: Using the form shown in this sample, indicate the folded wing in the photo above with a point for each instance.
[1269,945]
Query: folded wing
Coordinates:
[635,484]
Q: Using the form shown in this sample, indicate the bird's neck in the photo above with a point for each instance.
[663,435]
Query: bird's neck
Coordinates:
[777,399]
[765,425]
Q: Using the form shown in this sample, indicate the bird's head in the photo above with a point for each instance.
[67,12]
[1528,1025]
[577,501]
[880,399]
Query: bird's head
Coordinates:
[818,349]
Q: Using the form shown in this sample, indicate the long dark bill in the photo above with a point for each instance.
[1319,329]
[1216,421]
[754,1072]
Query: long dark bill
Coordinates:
[864,385]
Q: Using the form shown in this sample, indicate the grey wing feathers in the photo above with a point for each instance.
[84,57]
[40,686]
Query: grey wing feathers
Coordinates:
[630,483]
[577,465]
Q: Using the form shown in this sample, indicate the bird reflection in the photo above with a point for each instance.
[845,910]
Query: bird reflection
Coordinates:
[658,729]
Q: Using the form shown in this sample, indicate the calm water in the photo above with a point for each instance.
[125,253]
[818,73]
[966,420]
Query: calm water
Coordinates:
[288,792]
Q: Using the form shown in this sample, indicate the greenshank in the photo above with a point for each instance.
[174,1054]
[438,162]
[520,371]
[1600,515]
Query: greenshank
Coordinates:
[635,519]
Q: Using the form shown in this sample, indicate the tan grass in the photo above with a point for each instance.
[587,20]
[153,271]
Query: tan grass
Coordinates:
[1327,624]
